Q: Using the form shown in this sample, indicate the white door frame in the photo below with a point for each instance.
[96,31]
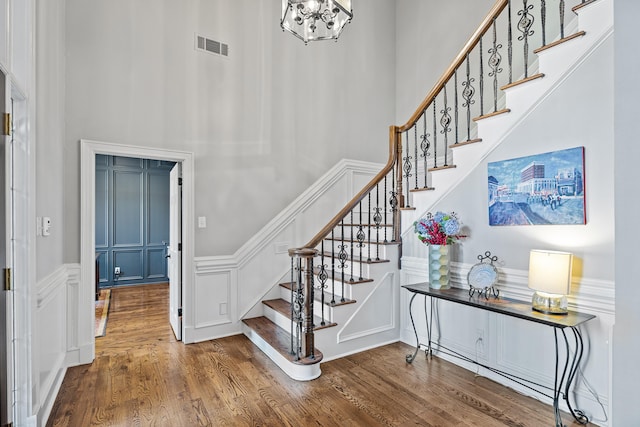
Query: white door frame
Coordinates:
[88,151]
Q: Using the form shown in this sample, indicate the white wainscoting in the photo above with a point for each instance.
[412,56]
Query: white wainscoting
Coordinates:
[519,347]
[56,337]
[229,288]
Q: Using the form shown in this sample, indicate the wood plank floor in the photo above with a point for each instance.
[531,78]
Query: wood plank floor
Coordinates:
[142,377]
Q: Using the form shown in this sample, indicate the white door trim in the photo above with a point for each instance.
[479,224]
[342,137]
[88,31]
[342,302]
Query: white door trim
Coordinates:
[88,150]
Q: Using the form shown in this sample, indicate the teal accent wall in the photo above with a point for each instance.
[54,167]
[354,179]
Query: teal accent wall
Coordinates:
[132,219]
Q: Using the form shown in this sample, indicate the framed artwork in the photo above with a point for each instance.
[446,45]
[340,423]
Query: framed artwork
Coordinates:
[541,189]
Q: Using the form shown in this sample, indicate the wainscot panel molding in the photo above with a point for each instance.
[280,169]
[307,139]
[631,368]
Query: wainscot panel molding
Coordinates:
[56,336]
[231,287]
[516,346]
[373,316]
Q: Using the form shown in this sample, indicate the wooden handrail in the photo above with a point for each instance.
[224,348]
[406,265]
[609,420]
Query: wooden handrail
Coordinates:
[468,47]
[393,155]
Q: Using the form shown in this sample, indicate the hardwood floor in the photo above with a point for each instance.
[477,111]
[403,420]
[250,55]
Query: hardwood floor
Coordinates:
[142,377]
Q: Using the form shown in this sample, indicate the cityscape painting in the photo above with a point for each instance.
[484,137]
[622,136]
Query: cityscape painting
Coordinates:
[541,189]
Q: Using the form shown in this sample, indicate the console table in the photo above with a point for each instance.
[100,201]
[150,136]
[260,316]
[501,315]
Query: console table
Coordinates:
[564,375]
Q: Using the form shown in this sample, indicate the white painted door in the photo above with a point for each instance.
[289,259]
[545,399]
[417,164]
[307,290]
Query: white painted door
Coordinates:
[174,251]
[6,297]
[21,218]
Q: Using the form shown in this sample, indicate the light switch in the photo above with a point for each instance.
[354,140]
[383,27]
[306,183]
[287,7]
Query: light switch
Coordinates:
[202,222]
[46,226]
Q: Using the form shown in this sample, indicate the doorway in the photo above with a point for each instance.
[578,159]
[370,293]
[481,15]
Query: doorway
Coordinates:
[183,160]
[132,221]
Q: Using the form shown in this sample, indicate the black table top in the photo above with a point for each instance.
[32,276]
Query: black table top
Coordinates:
[502,305]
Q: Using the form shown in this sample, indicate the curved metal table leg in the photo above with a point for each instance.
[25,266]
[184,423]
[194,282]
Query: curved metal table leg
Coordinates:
[569,372]
[410,357]
[577,414]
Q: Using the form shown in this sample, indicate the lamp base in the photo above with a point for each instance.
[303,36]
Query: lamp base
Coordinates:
[549,303]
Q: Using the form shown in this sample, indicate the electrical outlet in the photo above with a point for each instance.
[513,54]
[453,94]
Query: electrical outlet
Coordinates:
[116,271]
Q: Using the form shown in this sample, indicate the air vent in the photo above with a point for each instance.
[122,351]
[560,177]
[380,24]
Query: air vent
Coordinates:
[211,46]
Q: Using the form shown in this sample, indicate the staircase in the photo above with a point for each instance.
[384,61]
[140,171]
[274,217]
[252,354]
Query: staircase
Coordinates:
[342,294]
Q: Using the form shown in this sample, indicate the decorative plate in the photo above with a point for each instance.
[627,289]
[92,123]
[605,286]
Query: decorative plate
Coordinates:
[482,275]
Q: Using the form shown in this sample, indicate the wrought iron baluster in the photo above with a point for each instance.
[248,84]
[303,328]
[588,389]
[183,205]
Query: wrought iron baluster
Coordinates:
[494,63]
[351,247]
[415,154]
[407,166]
[333,268]
[543,21]
[385,201]
[424,146]
[510,43]
[369,228]
[561,19]
[524,26]
[360,236]
[445,121]
[435,137]
[467,95]
[293,286]
[342,256]
[322,277]
[298,306]
[455,109]
[377,219]
[481,81]
[393,202]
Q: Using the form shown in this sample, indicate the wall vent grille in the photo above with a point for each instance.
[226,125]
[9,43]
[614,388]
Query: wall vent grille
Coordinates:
[211,46]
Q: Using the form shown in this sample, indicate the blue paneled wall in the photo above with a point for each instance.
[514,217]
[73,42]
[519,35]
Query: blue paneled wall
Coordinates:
[132,220]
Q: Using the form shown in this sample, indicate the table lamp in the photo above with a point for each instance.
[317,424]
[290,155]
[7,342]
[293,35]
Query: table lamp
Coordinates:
[550,278]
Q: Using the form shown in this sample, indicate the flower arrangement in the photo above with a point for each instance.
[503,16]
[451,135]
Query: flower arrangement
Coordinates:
[438,229]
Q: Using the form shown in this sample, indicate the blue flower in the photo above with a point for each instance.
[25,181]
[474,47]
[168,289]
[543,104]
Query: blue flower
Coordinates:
[451,226]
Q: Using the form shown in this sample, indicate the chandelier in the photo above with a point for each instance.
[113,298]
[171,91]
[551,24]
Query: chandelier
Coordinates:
[312,20]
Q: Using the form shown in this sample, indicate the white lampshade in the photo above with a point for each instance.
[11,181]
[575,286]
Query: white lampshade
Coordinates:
[550,271]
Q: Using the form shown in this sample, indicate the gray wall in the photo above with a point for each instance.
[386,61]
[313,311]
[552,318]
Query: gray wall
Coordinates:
[626,339]
[49,132]
[264,123]
[430,33]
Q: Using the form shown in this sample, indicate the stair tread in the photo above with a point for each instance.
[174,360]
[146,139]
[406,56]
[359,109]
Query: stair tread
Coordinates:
[284,307]
[279,339]
[327,297]
[415,190]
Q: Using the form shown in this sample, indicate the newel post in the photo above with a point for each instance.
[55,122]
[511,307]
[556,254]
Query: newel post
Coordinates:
[302,335]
